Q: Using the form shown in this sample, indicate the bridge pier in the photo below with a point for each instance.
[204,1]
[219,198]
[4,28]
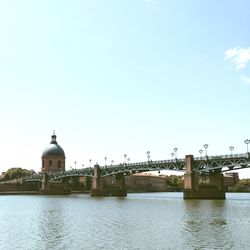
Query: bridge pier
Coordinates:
[53,187]
[120,183]
[96,183]
[45,184]
[65,184]
[191,177]
[192,189]
[217,180]
[98,189]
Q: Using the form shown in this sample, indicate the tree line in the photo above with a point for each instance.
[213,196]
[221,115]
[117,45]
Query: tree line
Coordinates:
[16,173]
[175,182]
[242,186]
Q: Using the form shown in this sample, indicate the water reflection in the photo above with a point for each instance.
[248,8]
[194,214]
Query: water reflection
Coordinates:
[139,221]
[52,228]
[206,225]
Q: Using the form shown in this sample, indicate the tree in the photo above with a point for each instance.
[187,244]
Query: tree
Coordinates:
[15,173]
[175,181]
[241,186]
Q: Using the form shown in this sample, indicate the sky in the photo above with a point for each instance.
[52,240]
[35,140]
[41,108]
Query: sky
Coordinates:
[123,77]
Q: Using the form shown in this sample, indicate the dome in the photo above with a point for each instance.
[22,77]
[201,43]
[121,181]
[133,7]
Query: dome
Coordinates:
[53,148]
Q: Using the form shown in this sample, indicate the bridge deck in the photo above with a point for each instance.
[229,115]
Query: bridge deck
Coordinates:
[221,163]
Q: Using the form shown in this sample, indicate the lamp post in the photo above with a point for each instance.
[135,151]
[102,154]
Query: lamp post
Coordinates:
[75,165]
[201,151]
[175,152]
[247,141]
[231,148]
[172,154]
[128,160]
[148,155]
[105,159]
[90,162]
[125,158]
[205,146]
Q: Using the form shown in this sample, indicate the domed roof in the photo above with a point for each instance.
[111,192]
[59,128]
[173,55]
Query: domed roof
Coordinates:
[53,148]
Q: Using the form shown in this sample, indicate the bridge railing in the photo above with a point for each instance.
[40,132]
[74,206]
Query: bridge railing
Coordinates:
[217,157]
[145,165]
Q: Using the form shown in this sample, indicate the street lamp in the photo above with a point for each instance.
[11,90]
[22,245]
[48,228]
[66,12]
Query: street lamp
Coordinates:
[128,160]
[148,155]
[201,151]
[75,165]
[247,141]
[231,148]
[125,158]
[205,146]
[172,154]
[90,162]
[175,151]
[105,159]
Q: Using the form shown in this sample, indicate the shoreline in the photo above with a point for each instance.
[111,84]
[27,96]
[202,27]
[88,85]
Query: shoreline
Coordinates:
[19,192]
[72,192]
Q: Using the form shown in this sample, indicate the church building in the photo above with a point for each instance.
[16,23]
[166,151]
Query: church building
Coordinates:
[53,157]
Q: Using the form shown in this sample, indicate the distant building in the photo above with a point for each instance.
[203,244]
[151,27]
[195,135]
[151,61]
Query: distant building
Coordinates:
[145,182]
[140,182]
[53,157]
[231,179]
[32,172]
[2,175]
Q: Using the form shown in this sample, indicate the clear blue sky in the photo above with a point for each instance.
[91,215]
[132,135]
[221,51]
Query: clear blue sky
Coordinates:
[116,77]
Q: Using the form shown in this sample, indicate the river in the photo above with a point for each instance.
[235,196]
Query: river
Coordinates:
[139,221]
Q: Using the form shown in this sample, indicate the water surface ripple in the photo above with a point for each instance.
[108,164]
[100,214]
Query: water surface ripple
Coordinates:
[139,221]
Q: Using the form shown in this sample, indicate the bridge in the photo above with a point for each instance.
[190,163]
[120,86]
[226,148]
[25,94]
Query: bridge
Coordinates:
[192,167]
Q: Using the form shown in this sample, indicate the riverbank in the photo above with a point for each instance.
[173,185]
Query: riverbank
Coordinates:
[18,193]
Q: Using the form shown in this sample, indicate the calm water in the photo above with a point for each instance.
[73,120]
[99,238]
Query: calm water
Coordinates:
[139,221]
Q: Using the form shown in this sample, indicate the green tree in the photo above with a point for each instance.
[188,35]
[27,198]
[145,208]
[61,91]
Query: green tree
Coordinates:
[174,181]
[241,186]
[15,173]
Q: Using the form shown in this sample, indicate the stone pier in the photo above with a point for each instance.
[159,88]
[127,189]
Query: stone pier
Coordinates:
[192,189]
[98,189]
[217,180]
[45,184]
[55,188]
[96,183]
[65,184]
[120,183]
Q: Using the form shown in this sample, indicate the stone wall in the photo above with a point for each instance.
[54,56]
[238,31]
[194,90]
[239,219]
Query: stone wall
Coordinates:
[140,183]
[8,187]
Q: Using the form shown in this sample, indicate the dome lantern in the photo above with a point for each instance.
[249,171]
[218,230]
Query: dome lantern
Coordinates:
[53,138]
